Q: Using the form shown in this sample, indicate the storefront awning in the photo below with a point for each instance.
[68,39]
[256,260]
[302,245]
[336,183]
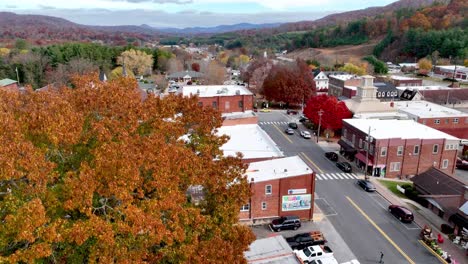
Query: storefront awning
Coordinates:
[459,220]
[363,158]
[346,146]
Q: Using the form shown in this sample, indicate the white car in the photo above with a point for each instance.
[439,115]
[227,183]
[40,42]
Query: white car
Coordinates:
[305,134]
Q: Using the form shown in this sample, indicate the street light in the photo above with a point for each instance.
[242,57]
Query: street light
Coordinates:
[320,113]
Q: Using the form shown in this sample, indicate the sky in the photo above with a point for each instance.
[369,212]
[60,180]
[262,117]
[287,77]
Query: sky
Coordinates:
[185,13]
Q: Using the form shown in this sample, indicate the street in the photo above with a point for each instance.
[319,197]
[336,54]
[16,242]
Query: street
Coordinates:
[359,217]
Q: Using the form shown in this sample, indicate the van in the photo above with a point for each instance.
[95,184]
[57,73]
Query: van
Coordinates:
[285,222]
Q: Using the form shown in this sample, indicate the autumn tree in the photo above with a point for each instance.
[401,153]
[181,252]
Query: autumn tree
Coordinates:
[291,84]
[96,175]
[215,73]
[353,69]
[425,65]
[334,111]
[137,61]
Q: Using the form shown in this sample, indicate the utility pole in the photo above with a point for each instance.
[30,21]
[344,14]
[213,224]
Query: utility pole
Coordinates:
[369,140]
[320,113]
[17,75]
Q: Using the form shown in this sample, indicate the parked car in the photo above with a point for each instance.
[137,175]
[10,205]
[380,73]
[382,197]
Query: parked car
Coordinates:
[292,125]
[344,166]
[306,134]
[291,112]
[331,156]
[289,131]
[285,222]
[462,164]
[402,213]
[366,185]
[303,119]
[265,110]
[303,240]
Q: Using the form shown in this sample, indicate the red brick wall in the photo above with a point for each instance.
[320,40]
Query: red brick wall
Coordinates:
[348,92]
[448,125]
[280,187]
[232,105]
[416,82]
[11,87]
[241,121]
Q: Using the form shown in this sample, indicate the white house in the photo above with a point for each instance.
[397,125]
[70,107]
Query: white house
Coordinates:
[321,82]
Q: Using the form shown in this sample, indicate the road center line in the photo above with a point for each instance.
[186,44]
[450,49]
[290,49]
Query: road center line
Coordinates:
[315,165]
[380,231]
[281,132]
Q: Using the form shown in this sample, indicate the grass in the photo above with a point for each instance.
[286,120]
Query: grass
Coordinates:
[392,186]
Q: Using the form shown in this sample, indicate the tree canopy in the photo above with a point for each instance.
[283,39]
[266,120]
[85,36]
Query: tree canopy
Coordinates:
[334,111]
[95,174]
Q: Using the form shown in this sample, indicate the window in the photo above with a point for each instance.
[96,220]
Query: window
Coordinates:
[268,189]
[450,146]
[435,149]
[227,105]
[399,151]
[360,143]
[371,150]
[388,94]
[264,206]
[245,207]
[437,121]
[215,105]
[395,166]
[446,121]
[200,104]
[354,139]
[379,94]
[416,150]
[241,104]
[345,132]
[383,151]
[455,120]
[424,121]
[445,163]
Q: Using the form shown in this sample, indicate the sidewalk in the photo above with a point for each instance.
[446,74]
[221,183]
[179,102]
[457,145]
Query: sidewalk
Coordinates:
[422,217]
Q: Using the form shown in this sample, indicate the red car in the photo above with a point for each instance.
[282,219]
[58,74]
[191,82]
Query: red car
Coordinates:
[402,213]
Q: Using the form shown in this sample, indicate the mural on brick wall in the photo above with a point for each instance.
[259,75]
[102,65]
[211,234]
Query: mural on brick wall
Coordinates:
[296,202]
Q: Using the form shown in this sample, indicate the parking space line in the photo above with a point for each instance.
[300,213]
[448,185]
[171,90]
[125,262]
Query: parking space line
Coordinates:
[380,231]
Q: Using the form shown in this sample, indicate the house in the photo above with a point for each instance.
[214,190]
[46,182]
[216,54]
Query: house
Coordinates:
[386,91]
[279,187]
[9,84]
[336,83]
[321,82]
[271,250]
[225,98]
[185,76]
[447,120]
[251,141]
[451,97]
[398,80]
[398,147]
[444,193]
[452,71]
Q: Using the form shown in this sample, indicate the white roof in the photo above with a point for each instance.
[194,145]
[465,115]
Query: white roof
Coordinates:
[452,68]
[406,78]
[344,77]
[271,250]
[408,64]
[215,90]
[424,109]
[405,129]
[277,169]
[381,115]
[424,88]
[250,140]
[237,115]
[354,88]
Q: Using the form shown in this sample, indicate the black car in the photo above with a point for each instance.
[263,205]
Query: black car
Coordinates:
[344,166]
[366,185]
[285,222]
[402,213]
[303,119]
[289,131]
[292,125]
[331,156]
[303,240]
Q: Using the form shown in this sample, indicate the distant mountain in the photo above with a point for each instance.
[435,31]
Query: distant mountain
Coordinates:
[214,30]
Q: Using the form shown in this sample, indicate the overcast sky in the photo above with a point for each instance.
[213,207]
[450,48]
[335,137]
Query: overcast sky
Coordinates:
[185,13]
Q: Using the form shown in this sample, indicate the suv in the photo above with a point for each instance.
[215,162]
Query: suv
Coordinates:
[366,185]
[303,240]
[331,156]
[402,213]
[285,222]
[344,166]
[292,125]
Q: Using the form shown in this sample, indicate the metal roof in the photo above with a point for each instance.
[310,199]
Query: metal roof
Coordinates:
[6,82]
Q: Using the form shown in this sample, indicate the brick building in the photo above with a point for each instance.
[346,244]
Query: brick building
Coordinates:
[452,71]
[279,187]
[9,84]
[225,98]
[398,147]
[448,120]
[336,83]
[398,80]
[349,91]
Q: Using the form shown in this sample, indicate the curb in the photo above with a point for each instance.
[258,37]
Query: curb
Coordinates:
[433,252]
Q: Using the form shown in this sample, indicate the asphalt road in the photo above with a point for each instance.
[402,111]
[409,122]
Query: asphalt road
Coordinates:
[360,218]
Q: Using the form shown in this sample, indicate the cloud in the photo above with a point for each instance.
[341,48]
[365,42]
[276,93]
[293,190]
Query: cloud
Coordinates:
[179,2]
[11,6]
[46,7]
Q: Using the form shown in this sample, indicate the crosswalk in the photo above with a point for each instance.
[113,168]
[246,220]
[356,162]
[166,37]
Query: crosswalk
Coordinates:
[273,123]
[336,176]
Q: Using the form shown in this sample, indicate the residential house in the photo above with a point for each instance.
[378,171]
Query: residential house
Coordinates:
[398,148]
[279,187]
[321,82]
[386,91]
[444,193]
[9,84]
[225,98]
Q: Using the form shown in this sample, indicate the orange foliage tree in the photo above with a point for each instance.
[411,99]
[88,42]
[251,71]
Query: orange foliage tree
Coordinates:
[96,174]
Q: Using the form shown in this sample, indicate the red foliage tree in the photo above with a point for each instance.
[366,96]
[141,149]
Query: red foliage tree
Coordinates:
[333,111]
[195,67]
[291,84]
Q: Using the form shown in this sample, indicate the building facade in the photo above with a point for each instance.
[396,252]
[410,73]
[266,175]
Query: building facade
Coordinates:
[336,83]
[398,80]
[279,187]
[8,84]
[398,148]
[321,82]
[452,71]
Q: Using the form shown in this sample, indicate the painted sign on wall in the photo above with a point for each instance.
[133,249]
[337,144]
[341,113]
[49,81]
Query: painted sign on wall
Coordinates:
[296,202]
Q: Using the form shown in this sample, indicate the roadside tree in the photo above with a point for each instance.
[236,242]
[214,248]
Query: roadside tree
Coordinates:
[334,111]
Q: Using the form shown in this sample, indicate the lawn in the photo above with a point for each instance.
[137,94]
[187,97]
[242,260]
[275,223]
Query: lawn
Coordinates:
[392,186]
